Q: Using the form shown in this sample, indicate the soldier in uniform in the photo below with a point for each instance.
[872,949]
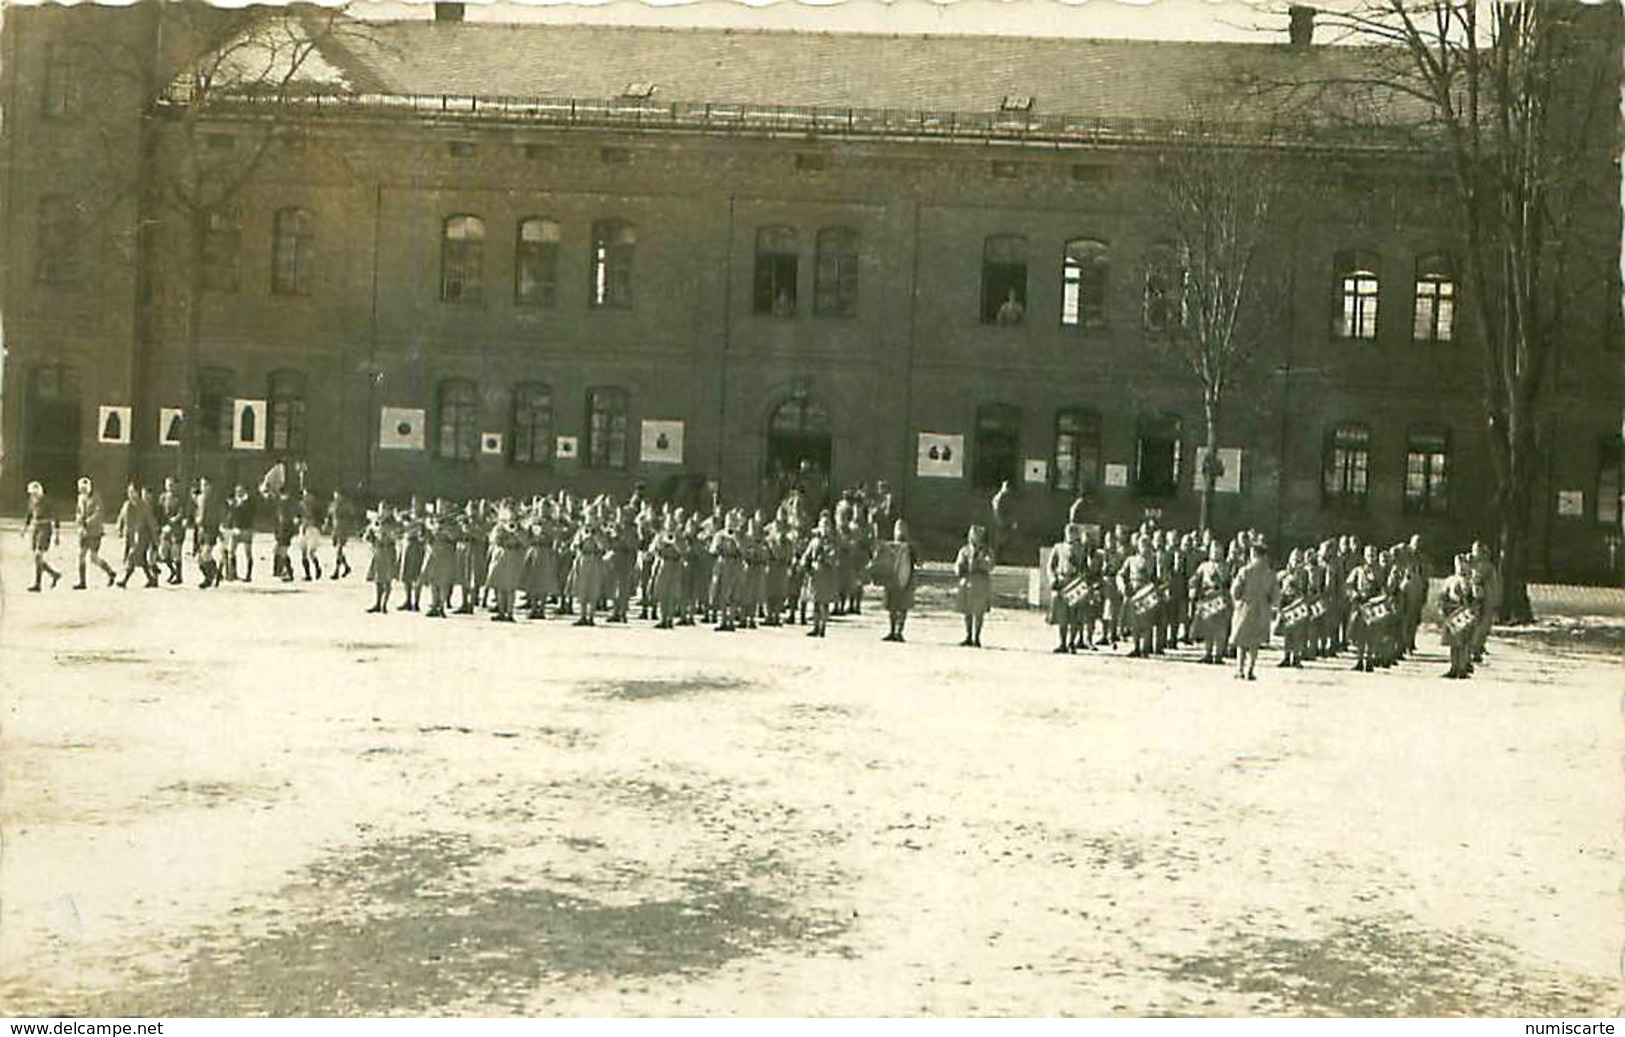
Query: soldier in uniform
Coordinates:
[1489,578]
[1254,591]
[1067,560]
[138,528]
[1363,585]
[1459,592]
[506,559]
[171,513]
[1136,573]
[974,567]
[413,552]
[898,581]
[89,518]
[590,545]
[1210,591]
[820,561]
[1293,582]
[207,515]
[440,564]
[39,527]
[667,548]
[310,534]
[382,533]
[340,526]
[240,517]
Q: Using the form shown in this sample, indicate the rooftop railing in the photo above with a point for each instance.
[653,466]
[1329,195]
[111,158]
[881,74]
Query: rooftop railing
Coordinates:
[771,119]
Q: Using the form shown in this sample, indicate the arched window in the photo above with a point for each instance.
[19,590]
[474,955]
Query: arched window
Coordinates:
[536,263]
[997,445]
[220,248]
[606,427]
[1077,449]
[1427,471]
[1165,277]
[1357,290]
[835,288]
[1004,280]
[1346,464]
[285,399]
[462,260]
[214,407]
[292,237]
[457,406]
[1158,454]
[614,243]
[1084,270]
[778,259]
[531,436]
[1435,315]
[59,241]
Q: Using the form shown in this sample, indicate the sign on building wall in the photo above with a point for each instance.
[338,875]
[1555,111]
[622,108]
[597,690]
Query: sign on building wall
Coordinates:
[941,456]
[491,443]
[400,428]
[248,424]
[1116,475]
[662,442]
[1035,470]
[1571,503]
[566,447]
[171,426]
[1230,480]
[113,425]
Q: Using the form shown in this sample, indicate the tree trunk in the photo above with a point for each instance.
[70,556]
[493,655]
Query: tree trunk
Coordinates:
[197,229]
[1512,533]
[1210,463]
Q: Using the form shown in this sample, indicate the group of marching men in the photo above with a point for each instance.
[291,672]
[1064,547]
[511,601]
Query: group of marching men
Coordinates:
[1154,588]
[1159,588]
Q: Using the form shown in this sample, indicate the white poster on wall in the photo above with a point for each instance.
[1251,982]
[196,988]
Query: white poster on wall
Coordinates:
[491,443]
[662,442]
[1571,503]
[113,425]
[941,456]
[400,428]
[248,424]
[1116,475]
[565,448]
[1229,481]
[171,426]
[1035,470]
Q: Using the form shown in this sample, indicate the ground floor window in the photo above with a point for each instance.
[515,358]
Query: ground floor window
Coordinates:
[214,405]
[1157,456]
[997,449]
[1077,449]
[285,396]
[1345,466]
[458,406]
[531,435]
[606,427]
[1427,471]
[1610,480]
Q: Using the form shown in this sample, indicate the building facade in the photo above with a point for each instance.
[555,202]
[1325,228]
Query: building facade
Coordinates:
[441,276]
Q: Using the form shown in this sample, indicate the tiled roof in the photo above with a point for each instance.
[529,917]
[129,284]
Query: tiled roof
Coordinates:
[1082,77]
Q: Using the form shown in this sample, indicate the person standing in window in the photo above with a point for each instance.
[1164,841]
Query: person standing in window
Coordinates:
[1011,312]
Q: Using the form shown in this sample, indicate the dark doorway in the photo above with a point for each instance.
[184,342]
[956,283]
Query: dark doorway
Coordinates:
[51,430]
[799,450]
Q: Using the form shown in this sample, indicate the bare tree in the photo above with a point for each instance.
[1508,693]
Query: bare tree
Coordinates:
[1208,287]
[1521,100]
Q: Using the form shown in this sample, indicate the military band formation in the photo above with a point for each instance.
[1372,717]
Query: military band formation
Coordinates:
[1145,591]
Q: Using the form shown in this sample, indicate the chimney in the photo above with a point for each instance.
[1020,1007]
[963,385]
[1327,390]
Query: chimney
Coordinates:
[1302,29]
[453,12]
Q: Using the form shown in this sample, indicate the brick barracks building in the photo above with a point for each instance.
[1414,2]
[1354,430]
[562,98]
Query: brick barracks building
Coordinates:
[503,259]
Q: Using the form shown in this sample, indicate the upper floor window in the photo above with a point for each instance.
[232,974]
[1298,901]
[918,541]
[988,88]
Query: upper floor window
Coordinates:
[1427,471]
[59,92]
[1357,284]
[606,427]
[1165,276]
[1345,466]
[1435,317]
[835,281]
[530,440]
[214,408]
[285,424]
[1084,270]
[536,263]
[292,238]
[1004,280]
[778,258]
[1077,449]
[220,248]
[462,260]
[59,241]
[613,245]
[457,406]
[1158,455]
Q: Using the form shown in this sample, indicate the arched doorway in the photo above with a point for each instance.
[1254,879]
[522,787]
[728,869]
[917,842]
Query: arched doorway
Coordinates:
[51,428]
[799,451]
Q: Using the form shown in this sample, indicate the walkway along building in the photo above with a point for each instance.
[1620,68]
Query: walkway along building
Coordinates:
[486,259]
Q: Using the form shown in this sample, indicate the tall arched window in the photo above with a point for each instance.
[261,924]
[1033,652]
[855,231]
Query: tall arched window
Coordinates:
[1004,279]
[1077,449]
[1427,471]
[59,242]
[614,243]
[462,260]
[213,407]
[1357,292]
[292,237]
[531,436]
[606,427]
[1346,464]
[1084,269]
[536,263]
[1435,315]
[1165,274]
[778,261]
[457,407]
[835,288]
[285,399]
